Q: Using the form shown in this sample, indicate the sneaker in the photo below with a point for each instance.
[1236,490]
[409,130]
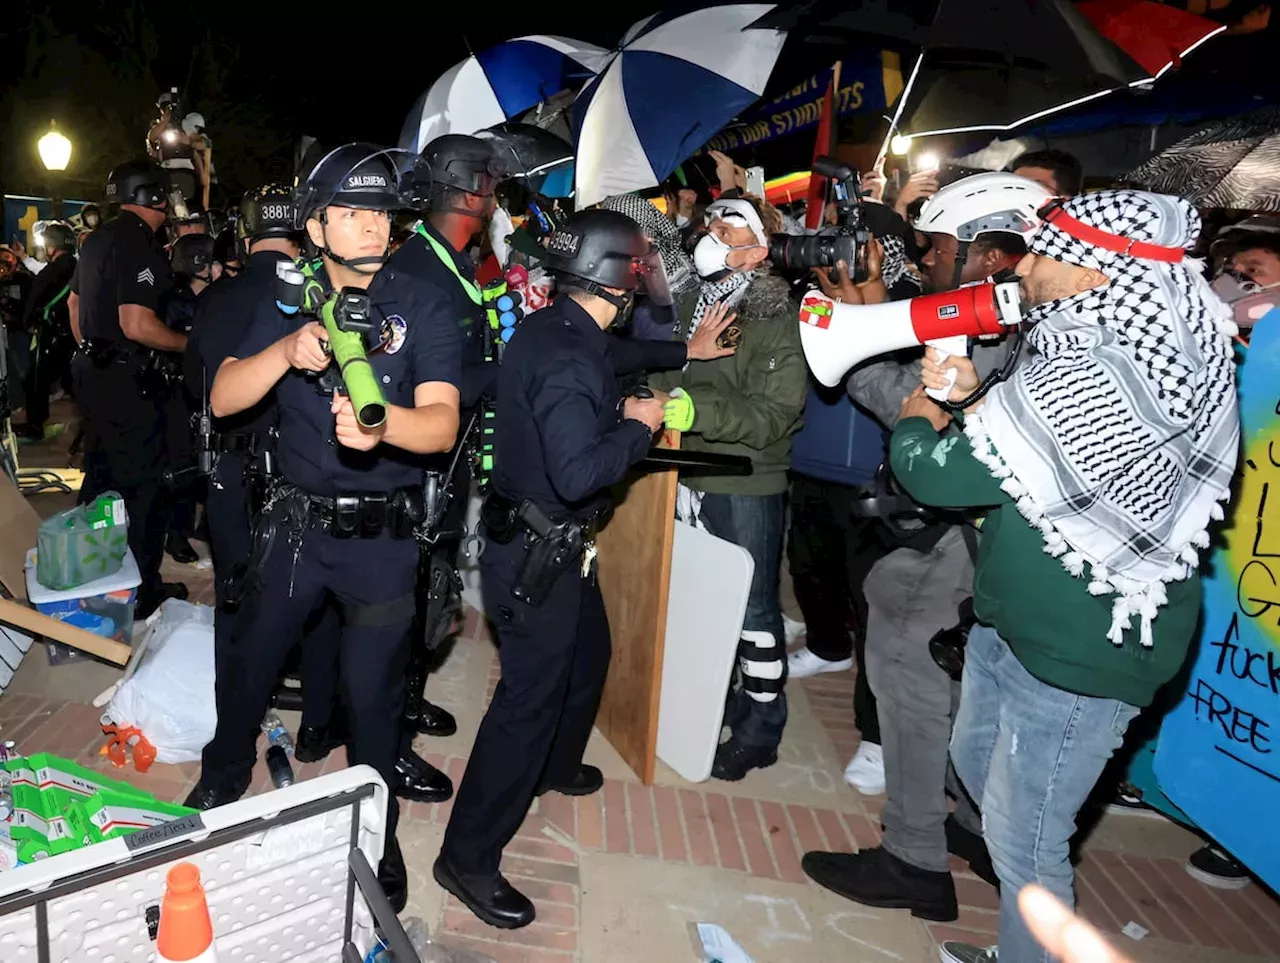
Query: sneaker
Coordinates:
[802,663]
[954,952]
[793,629]
[1215,867]
[865,771]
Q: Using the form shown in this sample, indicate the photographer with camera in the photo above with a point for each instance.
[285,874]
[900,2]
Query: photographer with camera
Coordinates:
[341,525]
[976,228]
[748,404]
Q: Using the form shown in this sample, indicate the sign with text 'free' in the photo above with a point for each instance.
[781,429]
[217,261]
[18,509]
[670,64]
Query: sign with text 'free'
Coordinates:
[1218,757]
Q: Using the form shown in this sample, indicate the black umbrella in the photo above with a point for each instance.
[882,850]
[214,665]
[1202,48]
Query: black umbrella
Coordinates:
[1232,163]
[976,64]
[526,149]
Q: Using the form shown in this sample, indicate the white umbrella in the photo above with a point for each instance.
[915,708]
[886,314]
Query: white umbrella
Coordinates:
[675,80]
[499,84]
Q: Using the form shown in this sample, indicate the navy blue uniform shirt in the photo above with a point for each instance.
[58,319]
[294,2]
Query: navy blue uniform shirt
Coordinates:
[560,439]
[418,259]
[423,346]
[121,262]
[223,317]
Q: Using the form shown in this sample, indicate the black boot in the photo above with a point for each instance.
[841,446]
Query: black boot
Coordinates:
[315,743]
[875,877]
[430,719]
[204,797]
[146,604]
[972,848]
[491,898]
[180,550]
[419,780]
[393,876]
[585,781]
[735,759]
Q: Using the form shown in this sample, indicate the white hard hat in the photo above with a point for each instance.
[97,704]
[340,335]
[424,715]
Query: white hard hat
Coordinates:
[983,203]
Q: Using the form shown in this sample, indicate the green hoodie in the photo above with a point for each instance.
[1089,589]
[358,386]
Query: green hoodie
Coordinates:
[1057,630]
[750,402]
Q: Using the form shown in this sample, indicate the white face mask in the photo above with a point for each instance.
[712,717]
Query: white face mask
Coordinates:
[711,257]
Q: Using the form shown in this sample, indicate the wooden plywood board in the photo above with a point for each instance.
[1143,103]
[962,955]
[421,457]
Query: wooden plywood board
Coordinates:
[19,526]
[635,575]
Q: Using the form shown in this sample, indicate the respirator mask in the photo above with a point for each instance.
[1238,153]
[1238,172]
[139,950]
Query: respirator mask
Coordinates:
[711,254]
[1247,299]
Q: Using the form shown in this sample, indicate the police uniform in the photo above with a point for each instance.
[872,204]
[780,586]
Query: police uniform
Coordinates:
[560,444]
[121,263]
[370,577]
[224,317]
[46,315]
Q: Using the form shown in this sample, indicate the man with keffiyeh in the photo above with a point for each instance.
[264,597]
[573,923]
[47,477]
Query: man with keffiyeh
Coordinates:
[1101,463]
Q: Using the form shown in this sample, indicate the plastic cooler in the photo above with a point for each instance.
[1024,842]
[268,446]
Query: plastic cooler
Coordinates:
[103,606]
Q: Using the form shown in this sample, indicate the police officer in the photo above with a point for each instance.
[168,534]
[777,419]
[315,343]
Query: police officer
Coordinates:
[119,286]
[343,518]
[45,314]
[241,446]
[563,437]
[194,270]
[454,178]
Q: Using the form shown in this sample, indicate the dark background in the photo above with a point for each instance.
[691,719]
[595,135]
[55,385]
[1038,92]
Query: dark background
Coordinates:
[263,74]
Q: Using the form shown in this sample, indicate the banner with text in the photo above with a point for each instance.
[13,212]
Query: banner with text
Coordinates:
[861,89]
[1218,757]
[21,213]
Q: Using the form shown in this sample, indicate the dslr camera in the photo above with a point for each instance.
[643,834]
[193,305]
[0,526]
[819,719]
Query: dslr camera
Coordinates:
[848,241]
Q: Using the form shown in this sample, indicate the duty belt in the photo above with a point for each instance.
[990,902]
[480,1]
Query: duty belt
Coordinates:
[553,543]
[367,514]
[105,351]
[236,443]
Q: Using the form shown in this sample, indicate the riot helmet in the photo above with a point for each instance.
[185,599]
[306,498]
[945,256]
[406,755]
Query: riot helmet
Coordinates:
[192,256]
[453,162]
[226,251]
[361,176]
[599,249]
[54,236]
[267,212]
[138,182]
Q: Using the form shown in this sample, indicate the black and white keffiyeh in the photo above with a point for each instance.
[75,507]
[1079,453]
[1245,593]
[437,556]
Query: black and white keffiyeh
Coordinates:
[662,231]
[1118,438]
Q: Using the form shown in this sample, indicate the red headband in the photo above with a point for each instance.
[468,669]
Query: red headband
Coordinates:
[1056,215]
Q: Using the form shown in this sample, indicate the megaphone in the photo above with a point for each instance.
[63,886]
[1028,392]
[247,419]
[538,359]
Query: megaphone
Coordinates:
[836,337]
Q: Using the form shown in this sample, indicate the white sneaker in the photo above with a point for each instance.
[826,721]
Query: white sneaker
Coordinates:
[802,663]
[955,952]
[793,629]
[865,771]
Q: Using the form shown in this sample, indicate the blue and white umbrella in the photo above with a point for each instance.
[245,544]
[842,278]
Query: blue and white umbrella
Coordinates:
[676,79]
[499,84]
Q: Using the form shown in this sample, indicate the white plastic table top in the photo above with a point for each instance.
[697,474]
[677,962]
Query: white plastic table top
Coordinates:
[277,894]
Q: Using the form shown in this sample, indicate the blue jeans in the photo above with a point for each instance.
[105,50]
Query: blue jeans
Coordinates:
[756,523]
[1029,754]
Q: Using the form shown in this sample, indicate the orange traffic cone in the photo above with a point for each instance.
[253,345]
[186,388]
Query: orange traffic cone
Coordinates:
[186,931]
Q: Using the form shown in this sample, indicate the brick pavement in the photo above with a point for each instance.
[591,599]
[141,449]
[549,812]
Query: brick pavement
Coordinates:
[710,825]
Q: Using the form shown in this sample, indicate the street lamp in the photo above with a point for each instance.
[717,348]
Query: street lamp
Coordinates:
[55,149]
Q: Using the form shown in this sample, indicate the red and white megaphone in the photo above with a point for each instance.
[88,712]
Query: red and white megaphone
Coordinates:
[836,337]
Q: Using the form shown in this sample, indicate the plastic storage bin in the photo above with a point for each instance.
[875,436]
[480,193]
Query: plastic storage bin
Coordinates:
[103,606]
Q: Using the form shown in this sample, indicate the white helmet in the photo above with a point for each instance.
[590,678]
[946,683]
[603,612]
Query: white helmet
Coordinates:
[982,203]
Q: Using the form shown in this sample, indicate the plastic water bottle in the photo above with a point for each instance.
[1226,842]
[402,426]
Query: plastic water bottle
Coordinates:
[277,734]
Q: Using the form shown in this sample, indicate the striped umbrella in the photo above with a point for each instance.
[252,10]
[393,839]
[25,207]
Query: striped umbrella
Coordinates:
[674,81]
[1234,163]
[499,84]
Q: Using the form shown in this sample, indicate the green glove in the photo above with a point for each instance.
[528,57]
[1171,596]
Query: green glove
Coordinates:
[678,413]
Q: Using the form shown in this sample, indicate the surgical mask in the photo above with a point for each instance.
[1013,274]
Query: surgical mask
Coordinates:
[711,257]
[1247,299]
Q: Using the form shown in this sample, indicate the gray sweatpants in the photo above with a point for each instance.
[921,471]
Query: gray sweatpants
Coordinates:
[910,596]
